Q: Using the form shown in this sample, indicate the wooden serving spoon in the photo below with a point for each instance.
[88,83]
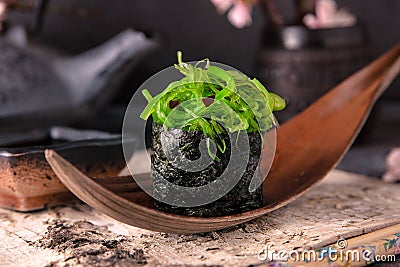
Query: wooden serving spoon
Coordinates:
[308,147]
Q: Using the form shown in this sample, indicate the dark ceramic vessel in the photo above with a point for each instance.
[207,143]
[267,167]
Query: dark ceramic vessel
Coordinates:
[26,180]
[301,65]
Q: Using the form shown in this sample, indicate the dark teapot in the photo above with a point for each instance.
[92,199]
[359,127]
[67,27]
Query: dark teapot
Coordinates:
[38,87]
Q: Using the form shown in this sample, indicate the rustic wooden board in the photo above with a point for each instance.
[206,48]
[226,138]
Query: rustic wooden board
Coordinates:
[344,205]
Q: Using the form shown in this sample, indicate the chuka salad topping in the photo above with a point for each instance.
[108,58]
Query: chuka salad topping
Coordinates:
[209,99]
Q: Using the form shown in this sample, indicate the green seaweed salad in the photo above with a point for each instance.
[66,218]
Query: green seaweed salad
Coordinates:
[209,99]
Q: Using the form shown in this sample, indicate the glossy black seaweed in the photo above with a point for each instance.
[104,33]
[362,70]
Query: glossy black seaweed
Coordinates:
[237,200]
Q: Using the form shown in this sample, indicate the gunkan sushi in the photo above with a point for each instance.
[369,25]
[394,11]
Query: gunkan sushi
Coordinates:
[221,111]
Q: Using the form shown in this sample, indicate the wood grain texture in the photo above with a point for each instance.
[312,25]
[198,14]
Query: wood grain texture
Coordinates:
[343,205]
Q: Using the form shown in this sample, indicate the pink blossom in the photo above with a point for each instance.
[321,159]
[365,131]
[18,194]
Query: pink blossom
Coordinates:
[223,5]
[311,21]
[393,166]
[3,10]
[240,15]
[328,15]
[326,10]
[393,159]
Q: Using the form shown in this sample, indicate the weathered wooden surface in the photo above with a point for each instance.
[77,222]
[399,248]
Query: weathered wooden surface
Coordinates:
[343,205]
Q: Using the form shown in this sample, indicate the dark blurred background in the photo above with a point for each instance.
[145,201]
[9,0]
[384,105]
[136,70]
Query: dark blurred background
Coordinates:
[194,27]
[191,26]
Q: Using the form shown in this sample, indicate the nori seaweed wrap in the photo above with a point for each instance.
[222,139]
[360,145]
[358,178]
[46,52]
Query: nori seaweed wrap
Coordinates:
[238,199]
[209,104]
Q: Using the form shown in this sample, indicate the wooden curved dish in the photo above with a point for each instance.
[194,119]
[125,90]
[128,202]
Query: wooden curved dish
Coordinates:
[308,147]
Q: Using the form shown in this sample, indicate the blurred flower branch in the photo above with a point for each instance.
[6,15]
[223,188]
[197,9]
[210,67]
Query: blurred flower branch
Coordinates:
[315,14]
